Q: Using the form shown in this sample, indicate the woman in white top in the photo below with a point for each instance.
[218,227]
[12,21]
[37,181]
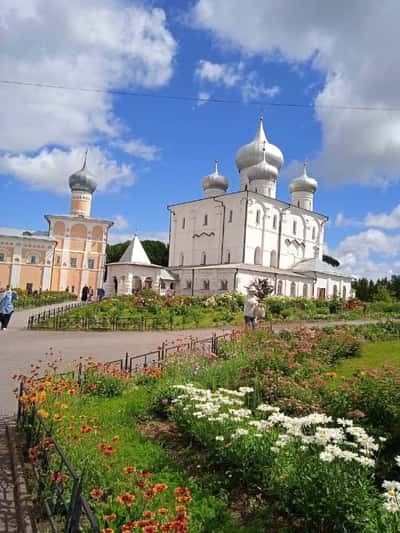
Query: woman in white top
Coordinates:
[250,307]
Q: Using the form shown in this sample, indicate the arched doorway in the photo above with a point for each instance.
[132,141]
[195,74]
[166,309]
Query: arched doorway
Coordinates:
[257,256]
[148,283]
[115,281]
[136,283]
[293,289]
[274,259]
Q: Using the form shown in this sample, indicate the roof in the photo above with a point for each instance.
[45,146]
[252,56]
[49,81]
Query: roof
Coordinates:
[243,266]
[25,234]
[166,275]
[319,266]
[135,253]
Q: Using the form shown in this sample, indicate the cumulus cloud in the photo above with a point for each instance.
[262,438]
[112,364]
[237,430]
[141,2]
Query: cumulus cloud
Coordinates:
[371,220]
[96,43]
[49,169]
[120,223]
[138,148]
[341,220]
[355,45]
[235,75]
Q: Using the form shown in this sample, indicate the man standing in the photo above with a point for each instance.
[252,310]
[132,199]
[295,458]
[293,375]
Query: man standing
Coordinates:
[85,292]
[250,307]
[7,299]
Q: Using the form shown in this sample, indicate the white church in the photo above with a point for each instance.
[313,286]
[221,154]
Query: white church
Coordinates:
[226,241]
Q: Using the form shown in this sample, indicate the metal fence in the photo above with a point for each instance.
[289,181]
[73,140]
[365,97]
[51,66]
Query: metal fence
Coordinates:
[54,314]
[37,301]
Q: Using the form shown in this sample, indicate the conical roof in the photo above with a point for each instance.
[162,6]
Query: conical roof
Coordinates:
[135,253]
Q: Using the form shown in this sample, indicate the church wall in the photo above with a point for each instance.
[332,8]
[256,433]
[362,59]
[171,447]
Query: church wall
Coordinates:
[32,275]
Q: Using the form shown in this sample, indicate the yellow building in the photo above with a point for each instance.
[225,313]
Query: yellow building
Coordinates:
[70,255]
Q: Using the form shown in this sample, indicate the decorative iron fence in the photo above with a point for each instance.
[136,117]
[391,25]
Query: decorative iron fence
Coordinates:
[35,321]
[59,487]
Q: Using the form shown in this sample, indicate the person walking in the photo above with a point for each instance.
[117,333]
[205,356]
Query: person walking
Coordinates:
[101,294]
[90,294]
[250,307]
[7,299]
[85,292]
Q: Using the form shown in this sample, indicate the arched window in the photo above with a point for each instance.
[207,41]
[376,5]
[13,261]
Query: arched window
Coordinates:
[205,220]
[257,256]
[305,290]
[294,227]
[224,285]
[274,259]
[280,288]
[181,259]
[162,284]
[188,283]
[183,222]
[313,233]
[335,291]
[203,258]
[148,283]
[293,289]
[230,216]
[258,216]
[298,203]
[228,257]
[32,260]
[136,283]
[206,284]
[344,292]
[274,222]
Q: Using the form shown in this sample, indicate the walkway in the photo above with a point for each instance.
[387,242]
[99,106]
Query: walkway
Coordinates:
[20,347]
[8,513]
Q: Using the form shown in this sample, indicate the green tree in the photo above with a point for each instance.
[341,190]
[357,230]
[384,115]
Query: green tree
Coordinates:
[382,294]
[115,251]
[157,252]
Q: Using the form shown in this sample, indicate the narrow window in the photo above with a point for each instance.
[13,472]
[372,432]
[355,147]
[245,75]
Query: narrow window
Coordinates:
[230,216]
[2,257]
[305,290]
[183,222]
[91,264]
[335,291]
[205,222]
[313,234]
[181,259]
[344,293]
[224,285]
[162,284]
[294,227]
[280,288]
[188,284]
[206,285]
[73,262]
[274,222]
[32,260]
[298,203]
[203,258]
[293,289]
[258,216]
[228,257]
[58,260]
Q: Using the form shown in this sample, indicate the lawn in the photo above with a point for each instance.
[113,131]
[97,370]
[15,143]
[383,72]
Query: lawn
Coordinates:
[374,355]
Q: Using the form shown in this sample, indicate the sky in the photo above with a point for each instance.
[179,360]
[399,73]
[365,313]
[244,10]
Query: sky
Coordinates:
[336,61]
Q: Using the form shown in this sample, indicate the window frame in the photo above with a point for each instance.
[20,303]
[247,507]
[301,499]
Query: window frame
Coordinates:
[73,262]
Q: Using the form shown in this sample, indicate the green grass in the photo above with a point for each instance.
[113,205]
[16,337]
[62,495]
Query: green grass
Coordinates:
[373,355]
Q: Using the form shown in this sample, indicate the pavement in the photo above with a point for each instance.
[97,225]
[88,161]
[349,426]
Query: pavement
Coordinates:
[8,511]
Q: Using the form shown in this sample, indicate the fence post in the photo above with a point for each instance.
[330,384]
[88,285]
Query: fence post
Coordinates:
[126,360]
[79,379]
[75,507]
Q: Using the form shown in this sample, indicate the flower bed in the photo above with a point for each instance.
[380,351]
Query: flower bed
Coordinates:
[26,301]
[262,436]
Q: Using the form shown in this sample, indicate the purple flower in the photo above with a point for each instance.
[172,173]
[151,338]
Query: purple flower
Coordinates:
[165,401]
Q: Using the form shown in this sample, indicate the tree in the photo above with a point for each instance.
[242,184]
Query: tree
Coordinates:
[114,252]
[157,252]
[330,260]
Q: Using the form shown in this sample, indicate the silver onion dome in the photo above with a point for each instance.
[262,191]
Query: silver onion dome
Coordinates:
[261,171]
[303,183]
[82,180]
[251,154]
[215,180]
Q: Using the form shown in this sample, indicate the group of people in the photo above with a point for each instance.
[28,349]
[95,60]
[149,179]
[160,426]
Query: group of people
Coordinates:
[7,299]
[88,294]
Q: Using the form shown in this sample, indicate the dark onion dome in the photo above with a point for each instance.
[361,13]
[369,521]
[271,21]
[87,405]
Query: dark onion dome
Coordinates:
[83,180]
[215,180]
[303,183]
[251,154]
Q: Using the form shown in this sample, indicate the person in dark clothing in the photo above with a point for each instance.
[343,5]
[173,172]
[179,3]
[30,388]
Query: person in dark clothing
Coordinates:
[85,292]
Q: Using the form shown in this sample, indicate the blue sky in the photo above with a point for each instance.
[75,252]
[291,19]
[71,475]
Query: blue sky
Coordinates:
[148,152]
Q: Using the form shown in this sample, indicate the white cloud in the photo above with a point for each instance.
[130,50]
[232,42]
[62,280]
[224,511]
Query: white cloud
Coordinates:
[49,169]
[138,148]
[384,220]
[120,223]
[355,44]
[341,220]
[235,75]
[96,43]
[115,238]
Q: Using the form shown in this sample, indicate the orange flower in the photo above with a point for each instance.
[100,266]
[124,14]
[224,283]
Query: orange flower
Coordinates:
[96,494]
[57,417]
[71,391]
[85,428]
[146,474]
[126,499]
[159,487]
[330,374]
[110,517]
[43,413]
[58,477]
[150,529]
[129,469]
[116,438]
[163,510]
[180,508]
[107,530]
[107,449]
[148,514]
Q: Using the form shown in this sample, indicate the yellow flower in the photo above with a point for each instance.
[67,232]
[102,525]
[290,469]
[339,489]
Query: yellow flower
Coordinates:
[57,417]
[43,413]
[64,406]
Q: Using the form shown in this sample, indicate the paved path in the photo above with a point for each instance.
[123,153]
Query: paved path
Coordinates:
[8,513]
[20,347]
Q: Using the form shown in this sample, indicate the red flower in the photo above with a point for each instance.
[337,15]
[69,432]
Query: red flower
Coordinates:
[146,474]
[107,530]
[33,453]
[96,494]
[107,449]
[85,428]
[126,499]
[110,517]
[58,477]
[148,514]
[129,469]
[159,487]
[163,511]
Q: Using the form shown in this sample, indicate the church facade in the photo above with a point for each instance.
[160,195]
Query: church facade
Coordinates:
[71,254]
[226,241]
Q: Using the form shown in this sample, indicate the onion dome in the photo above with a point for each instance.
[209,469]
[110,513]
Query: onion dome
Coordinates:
[83,180]
[215,181]
[303,183]
[252,153]
[262,171]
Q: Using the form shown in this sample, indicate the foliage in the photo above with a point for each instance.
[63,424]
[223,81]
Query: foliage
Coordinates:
[330,260]
[26,300]
[157,251]
[114,252]
[382,289]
